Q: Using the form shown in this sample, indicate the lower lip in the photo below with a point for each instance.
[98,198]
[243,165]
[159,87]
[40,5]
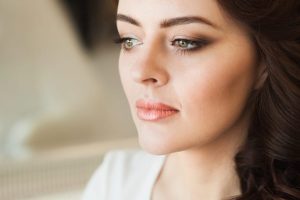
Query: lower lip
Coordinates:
[153,114]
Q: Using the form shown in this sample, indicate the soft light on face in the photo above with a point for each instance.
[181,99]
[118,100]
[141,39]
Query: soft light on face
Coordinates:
[189,56]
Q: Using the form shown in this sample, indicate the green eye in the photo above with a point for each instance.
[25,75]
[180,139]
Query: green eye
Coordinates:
[129,43]
[185,44]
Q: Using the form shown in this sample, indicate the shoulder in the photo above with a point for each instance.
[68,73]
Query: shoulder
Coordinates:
[120,171]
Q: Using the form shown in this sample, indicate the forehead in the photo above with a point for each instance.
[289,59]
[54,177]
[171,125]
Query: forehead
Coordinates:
[154,11]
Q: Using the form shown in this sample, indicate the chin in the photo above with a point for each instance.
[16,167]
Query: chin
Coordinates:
[153,141]
[157,146]
[160,139]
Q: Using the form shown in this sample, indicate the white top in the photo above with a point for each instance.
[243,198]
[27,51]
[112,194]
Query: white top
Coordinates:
[125,175]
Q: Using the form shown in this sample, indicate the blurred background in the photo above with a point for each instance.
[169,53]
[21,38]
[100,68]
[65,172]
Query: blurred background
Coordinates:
[61,102]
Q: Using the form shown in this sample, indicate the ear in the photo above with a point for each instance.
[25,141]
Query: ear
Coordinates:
[262,75]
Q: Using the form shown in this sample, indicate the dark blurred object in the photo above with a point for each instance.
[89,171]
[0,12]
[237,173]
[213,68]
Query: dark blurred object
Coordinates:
[94,20]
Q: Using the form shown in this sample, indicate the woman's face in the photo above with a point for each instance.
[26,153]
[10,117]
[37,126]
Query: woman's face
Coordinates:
[187,71]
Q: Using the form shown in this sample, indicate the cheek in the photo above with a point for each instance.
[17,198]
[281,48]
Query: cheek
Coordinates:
[215,94]
[124,74]
[129,87]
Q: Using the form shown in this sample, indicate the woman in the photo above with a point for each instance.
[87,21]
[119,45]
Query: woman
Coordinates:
[214,90]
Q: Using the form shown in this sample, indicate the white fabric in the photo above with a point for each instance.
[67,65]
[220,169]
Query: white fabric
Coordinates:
[125,175]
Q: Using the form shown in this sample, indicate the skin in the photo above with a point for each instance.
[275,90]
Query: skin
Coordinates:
[210,86]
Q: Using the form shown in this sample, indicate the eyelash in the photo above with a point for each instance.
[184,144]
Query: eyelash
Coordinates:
[122,41]
[197,43]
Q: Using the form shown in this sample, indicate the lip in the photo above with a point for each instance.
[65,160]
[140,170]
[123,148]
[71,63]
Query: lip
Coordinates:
[154,111]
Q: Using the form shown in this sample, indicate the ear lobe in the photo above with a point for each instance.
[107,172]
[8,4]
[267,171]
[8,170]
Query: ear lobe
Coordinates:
[261,77]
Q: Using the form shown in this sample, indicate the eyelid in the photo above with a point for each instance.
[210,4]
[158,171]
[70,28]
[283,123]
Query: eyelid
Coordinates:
[186,37]
[120,39]
[196,38]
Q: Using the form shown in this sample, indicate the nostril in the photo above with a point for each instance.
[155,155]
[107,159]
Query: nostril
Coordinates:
[150,81]
[153,80]
[147,76]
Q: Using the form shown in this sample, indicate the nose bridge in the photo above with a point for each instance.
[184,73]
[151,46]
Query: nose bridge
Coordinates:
[149,67]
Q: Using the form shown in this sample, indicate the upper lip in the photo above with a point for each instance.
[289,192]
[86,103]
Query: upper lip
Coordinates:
[153,105]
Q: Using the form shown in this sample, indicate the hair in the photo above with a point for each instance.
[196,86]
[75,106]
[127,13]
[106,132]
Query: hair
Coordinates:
[92,20]
[268,164]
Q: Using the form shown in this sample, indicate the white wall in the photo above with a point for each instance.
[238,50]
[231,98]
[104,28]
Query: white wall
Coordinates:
[51,93]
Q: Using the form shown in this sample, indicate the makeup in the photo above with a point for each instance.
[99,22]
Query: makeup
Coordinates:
[154,111]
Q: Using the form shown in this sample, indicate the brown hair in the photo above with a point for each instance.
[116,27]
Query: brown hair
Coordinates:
[269,163]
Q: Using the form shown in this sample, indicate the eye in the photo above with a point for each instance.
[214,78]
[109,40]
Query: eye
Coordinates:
[188,45]
[127,42]
[183,43]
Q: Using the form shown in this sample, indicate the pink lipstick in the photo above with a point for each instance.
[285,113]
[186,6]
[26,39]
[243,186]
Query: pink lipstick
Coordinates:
[153,111]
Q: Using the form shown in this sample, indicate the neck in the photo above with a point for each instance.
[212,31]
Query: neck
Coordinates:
[207,172]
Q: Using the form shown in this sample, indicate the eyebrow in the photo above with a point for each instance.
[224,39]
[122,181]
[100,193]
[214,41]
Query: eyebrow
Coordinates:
[170,22]
[125,18]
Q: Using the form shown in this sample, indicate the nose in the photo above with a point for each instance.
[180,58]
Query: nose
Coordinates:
[149,68]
